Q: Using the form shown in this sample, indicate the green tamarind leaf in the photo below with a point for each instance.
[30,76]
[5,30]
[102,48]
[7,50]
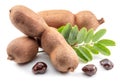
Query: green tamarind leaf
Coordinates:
[89,35]
[72,39]
[92,49]
[81,35]
[66,30]
[86,53]
[60,29]
[81,56]
[98,35]
[102,49]
[107,42]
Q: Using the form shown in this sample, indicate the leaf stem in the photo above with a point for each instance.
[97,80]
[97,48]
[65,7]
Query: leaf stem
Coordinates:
[84,44]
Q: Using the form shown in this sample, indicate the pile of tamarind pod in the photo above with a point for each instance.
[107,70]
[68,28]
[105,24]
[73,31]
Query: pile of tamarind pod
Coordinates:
[42,26]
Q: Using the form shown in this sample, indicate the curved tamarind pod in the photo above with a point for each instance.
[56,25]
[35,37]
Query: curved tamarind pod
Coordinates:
[87,19]
[57,18]
[62,55]
[27,21]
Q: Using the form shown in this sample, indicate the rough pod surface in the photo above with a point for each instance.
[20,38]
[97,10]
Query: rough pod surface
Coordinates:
[63,57]
[22,49]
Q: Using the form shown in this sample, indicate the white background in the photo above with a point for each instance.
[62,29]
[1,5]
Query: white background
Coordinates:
[10,72]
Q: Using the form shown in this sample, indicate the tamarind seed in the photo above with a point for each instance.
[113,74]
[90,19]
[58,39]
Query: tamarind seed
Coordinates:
[107,64]
[89,69]
[39,68]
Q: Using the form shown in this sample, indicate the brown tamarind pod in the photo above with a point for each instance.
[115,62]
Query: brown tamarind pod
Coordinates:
[87,19]
[57,18]
[27,21]
[62,55]
[22,50]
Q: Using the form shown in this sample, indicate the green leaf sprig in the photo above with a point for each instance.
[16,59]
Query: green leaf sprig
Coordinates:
[86,42]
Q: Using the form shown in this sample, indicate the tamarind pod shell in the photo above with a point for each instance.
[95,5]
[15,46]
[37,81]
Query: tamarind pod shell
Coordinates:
[27,21]
[57,18]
